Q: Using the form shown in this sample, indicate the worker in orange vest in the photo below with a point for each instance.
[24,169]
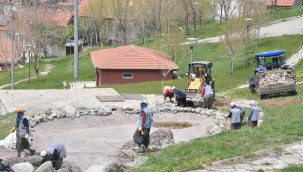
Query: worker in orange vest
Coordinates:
[168,92]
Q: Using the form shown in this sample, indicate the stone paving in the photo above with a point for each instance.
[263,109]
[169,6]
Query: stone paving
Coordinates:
[38,100]
[266,160]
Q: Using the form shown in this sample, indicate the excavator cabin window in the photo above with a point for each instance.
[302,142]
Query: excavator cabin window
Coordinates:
[197,71]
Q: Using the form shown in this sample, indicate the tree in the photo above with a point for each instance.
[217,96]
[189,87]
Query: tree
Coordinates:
[233,39]
[93,21]
[39,30]
[228,8]
[273,4]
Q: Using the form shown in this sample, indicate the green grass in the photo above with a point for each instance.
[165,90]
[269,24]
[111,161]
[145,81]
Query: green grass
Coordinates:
[19,74]
[221,65]
[286,12]
[7,122]
[299,71]
[295,168]
[281,126]
[64,69]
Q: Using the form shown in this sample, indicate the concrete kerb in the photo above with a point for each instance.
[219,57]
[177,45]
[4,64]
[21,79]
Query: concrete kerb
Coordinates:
[281,20]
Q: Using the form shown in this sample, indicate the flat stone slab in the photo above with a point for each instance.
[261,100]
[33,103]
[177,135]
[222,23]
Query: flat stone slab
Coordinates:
[132,96]
[113,98]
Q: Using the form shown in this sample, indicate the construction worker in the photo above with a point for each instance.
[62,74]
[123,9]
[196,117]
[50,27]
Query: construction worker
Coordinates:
[180,97]
[22,133]
[54,153]
[168,92]
[234,115]
[254,114]
[242,109]
[208,96]
[145,122]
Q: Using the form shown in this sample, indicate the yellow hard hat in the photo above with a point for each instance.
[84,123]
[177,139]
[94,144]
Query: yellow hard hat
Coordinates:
[20,109]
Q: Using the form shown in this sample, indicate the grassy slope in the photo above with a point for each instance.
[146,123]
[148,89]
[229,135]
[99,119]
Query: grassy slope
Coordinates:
[7,122]
[281,126]
[63,68]
[221,65]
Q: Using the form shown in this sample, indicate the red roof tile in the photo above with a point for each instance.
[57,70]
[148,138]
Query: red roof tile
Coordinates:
[284,3]
[63,18]
[132,57]
[5,51]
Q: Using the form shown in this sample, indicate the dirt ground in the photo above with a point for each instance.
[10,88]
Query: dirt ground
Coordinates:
[85,137]
[276,103]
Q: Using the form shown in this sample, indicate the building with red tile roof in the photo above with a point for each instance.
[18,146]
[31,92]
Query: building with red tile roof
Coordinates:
[131,64]
[284,3]
[5,54]
[62,19]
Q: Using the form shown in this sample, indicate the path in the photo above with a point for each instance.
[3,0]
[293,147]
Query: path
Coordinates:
[290,26]
[267,160]
[48,68]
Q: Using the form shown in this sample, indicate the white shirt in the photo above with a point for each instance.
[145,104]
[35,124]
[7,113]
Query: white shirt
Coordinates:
[208,90]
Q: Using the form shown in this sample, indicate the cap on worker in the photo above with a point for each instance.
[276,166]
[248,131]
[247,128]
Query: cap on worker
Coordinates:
[173,87]
[252,103]
[20,109]
[143,102]
[43,154]
[232,103]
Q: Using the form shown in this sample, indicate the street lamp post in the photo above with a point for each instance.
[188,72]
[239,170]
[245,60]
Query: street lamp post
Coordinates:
[248,20]
[76,53]
[29,63]
[191,42]
[12,46]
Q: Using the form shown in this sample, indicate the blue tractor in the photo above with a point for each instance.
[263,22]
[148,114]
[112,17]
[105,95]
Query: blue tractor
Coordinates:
[272,75]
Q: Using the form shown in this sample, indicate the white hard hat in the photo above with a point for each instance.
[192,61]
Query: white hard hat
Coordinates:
[252,103]
[143,102]
[173,87]
[43,153]
[232,103]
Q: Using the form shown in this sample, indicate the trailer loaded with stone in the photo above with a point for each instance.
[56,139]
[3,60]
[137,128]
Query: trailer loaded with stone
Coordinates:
[272,75]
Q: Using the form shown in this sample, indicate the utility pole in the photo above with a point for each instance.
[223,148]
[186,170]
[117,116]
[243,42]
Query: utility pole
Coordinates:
[191,43]
[12,46]
[76,53]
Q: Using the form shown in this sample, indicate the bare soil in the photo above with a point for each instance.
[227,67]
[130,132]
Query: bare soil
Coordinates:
[276,103]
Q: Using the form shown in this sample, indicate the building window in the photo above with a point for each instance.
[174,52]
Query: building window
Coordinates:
[127,76]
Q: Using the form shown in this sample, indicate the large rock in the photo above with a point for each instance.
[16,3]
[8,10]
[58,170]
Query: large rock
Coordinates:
[9,142]
[46,167]
[69,167]
[70,111]
[113,167]
[161,138]
[158,139]
[96,168]
[23,167]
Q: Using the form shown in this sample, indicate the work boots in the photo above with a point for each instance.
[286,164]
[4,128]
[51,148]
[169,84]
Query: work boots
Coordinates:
[32,152]
[141,149]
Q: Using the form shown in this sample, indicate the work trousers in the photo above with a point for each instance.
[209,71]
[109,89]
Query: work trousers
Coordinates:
[181,101]
[253,124]
[208,101]
[22,143]
[57,163]
[235,126]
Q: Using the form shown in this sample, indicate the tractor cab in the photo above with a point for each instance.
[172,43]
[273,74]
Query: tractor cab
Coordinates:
[270,60]
[199,72]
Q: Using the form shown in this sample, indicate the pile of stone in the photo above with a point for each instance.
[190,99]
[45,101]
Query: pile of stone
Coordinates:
[159,139]
[33,164]
[276,76]
[68,112]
